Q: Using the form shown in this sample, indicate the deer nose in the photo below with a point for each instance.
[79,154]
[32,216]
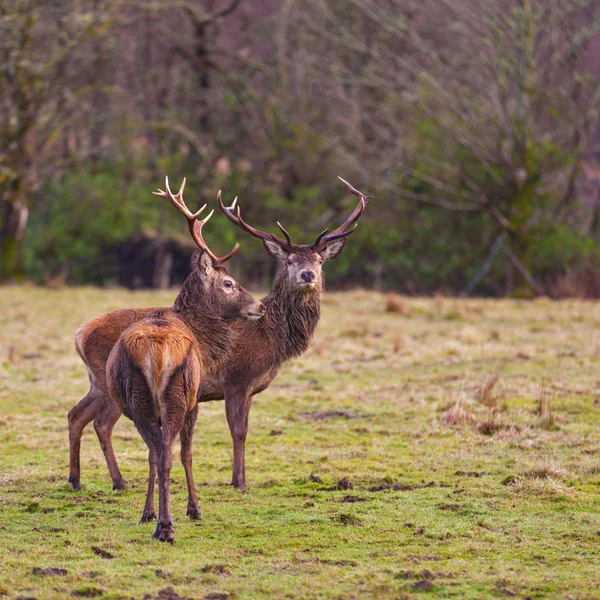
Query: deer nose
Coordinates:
[307,276]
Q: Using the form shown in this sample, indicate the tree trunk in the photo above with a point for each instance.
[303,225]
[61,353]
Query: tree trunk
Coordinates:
[163,265]
[378,276]
[13,221]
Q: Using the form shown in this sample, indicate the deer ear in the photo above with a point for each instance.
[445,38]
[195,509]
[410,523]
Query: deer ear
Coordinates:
[195,261]
[332,250]
[275,251]
[204,262]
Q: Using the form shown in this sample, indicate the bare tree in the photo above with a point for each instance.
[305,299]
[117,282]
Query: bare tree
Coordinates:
[39,99]
[474,106]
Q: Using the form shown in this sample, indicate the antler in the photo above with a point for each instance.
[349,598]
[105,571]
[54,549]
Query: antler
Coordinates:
[349,225]
[323,239]
[195,226]
[236,219]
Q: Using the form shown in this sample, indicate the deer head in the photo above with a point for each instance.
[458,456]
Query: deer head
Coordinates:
[221,291]
[303,263]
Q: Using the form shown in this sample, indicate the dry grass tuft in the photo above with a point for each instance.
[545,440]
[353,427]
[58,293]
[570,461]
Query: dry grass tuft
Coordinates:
[547,487]
[494,425]
[545,470]
[494,335]
[399,343]
[354,333]
[488,395]
[395,304]
[548,418]
[457,414]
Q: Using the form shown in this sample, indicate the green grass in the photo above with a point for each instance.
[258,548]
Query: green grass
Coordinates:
[460,489]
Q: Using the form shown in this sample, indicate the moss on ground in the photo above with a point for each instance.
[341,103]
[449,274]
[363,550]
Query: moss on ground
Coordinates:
[465,435]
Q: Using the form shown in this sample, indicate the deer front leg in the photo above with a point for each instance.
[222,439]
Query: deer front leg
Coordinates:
[186,435]
[104,424]
[152,435]
[149,510]
[86,410]
[237,407]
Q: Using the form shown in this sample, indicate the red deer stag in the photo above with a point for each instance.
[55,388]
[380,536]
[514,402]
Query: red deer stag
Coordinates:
[154,370]
[258,348]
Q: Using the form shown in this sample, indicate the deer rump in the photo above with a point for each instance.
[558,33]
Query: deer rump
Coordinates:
[154,359]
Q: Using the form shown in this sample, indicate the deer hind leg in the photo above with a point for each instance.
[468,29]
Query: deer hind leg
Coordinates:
[149,510]
[175,405]
[85,411]
[187,434]
[174,409]
[237,407]
[103,424]
[151,434]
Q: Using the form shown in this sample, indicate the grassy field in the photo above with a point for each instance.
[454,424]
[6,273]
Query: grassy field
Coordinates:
[438,448]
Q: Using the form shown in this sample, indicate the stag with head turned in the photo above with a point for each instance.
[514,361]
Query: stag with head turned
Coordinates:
[258,349]
[155,369]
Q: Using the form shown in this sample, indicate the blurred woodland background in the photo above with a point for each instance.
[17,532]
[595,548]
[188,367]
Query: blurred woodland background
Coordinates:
[474,123]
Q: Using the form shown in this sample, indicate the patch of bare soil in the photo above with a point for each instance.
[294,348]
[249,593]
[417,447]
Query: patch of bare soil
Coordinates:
[322,415]
[48,571]
[344,484]
[491,426]
[452,507]
[350,499]
[216,569]
[400,487]
[166,594]
[338,563]
[346,519]
[87,592]
[423,585]
[102,553]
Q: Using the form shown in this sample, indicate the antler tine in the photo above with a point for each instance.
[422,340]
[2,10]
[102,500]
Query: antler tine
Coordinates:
[356,192]
[335,236]
[194,225]
[196,231]
[228,210]
[177,200]
[320,236]
[271,237]
[348,226]
[287,235]
[236,219]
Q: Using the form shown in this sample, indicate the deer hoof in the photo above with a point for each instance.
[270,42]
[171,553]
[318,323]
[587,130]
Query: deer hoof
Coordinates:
[147,517]
[194,513]
[164,533]
[119,485]
[75,484]
[238,485]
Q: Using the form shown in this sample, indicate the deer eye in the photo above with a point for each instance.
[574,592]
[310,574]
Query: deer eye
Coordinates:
[228,283]
[290,261]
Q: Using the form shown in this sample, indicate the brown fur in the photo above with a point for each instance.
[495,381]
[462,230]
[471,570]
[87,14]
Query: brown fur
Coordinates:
[158,347]
[154,370]
[258,349]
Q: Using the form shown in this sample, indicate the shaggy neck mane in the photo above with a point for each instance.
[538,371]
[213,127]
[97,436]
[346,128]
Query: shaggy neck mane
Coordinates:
[292,315]
[211,331]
